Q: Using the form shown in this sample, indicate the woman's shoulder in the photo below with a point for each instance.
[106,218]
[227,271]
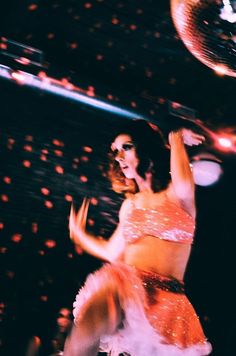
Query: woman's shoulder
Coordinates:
[126,205]
[128,201]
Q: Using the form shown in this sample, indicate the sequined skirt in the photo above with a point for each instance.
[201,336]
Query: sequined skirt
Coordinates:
[158,319]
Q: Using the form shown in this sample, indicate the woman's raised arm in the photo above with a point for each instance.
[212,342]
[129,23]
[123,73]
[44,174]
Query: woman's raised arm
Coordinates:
[181,174]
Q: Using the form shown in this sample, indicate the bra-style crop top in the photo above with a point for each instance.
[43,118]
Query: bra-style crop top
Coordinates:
[168,222]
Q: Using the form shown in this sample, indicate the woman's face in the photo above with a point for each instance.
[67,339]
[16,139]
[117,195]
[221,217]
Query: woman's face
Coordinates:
[124,152]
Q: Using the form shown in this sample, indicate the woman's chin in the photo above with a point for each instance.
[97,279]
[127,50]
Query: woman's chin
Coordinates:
[128,175]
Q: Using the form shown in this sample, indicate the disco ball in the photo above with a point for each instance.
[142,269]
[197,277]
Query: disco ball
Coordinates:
[208,29]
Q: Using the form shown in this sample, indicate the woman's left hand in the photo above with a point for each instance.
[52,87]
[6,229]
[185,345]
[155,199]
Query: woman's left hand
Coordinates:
[191,138]
[77,221]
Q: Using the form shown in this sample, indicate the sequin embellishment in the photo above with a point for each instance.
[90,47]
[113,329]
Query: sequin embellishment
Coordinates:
[167,221]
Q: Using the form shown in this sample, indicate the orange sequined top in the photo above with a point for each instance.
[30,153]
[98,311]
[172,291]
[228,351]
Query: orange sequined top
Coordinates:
[167,221]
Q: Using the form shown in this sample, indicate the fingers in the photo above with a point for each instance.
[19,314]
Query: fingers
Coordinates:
[77,221]
[192,138]
[71,217]
[198,140]
[81,217]
[72,212]
[86,211]
[198,137]
[72,220]
[195,141]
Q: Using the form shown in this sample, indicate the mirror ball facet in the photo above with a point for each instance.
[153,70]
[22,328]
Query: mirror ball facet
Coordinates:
[208,29]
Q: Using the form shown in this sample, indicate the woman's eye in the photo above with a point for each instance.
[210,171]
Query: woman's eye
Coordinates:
[115,152]
[127,146]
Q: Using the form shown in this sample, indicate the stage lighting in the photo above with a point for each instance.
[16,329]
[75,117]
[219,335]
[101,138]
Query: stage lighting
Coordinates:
[206,169]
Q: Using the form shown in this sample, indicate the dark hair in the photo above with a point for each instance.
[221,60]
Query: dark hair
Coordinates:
[152,153]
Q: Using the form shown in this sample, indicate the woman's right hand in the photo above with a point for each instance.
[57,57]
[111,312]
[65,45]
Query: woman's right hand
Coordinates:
[77,221]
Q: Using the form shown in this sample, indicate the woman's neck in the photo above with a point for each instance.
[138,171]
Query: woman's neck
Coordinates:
[145,184]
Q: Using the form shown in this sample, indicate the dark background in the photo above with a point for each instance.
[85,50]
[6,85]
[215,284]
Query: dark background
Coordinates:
[53,149]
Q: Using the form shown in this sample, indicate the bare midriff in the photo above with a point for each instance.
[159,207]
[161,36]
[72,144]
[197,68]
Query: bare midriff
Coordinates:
[157,255]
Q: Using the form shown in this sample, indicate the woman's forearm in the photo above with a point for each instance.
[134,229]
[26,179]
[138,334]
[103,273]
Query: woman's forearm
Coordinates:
[181,173]
[93,245]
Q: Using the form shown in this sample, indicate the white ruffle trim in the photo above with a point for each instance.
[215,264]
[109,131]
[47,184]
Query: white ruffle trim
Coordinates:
[137,337]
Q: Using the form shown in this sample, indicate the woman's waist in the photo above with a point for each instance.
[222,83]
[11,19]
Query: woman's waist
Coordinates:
[152,279]
[152,256]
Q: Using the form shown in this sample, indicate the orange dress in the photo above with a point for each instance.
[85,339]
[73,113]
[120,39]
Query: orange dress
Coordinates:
[158,318]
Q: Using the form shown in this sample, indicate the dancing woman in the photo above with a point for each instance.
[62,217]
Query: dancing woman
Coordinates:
[136,304]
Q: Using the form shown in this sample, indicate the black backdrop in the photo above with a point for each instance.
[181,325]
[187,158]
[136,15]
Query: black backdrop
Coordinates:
[51,150]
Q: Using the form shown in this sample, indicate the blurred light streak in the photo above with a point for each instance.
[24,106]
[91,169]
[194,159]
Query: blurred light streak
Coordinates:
[60,88]
[225,144]
[5,72]
[224,141]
